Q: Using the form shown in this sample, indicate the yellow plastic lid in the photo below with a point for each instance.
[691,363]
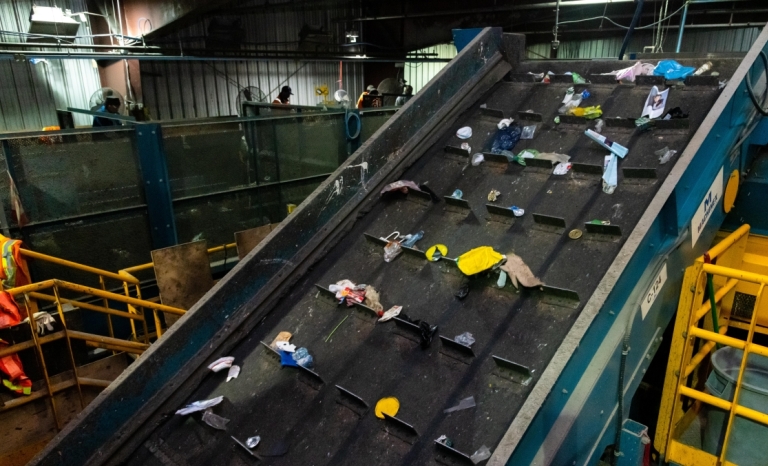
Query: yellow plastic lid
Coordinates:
[438,247]
[389,405]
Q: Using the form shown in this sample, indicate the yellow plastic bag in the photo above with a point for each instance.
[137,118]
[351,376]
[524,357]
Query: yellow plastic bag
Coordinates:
[478,260]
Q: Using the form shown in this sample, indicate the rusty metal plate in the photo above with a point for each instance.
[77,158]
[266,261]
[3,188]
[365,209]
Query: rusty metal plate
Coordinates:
[183,275]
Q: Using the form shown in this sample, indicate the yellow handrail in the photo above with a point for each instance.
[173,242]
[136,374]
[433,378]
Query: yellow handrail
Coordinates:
[726,243]
[75,265]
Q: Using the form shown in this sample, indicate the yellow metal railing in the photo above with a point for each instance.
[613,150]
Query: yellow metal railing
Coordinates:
[696,336]
[50,291]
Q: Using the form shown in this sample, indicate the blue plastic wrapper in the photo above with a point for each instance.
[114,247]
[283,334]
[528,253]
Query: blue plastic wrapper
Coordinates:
[671,70]
[506,138]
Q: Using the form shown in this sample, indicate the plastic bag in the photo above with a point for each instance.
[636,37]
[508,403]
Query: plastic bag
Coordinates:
[465,339]
[482,454]
[392,250]
[577,79]
[478,260]
[528,132]
[671,70]
[506,138]
[215,421]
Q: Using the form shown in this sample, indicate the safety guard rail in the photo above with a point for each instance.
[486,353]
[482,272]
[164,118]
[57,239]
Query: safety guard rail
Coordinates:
[695,337]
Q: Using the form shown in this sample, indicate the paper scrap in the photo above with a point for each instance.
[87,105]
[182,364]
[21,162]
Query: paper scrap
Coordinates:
[221,364]
[466,403]
[234,371]
[394,311]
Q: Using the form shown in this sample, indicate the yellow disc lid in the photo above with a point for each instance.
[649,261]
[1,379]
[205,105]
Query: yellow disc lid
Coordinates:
[389,406]
[438,247]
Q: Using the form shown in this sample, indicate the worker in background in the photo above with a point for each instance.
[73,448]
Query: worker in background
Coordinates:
[111,105]
[365,93]
[284,97]
[402,99]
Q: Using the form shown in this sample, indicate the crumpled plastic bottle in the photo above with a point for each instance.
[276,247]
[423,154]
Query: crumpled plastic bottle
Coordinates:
[392,250]
[506,138]
[303,358]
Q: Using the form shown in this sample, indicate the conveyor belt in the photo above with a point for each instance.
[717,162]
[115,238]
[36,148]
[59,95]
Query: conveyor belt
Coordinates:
[306,422]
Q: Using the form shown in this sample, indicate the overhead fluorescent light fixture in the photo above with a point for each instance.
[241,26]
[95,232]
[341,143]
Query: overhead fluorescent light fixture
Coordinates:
[51,21]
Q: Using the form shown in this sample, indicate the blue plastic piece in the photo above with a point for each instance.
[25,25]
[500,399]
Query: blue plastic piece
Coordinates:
[410,242]
[506,138]
[462,37]
[286,359]
[672,70]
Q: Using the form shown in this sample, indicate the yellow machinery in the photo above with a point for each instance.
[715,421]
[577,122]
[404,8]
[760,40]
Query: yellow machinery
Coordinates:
[734,269]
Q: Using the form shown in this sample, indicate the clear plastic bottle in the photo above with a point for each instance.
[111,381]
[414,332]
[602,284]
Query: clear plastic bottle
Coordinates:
[410,240]
[703,68]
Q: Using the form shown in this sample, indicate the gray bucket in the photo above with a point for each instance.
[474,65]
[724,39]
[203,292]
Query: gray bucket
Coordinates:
[746,446]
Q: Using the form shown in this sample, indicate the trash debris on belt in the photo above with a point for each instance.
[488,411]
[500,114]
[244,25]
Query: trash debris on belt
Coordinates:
[282,336]
[672,70]
[457,194]
[569,93]
[393,248]
[221,364]
[303,358]
[445,441]
[675,113]
[347,291]
[402,186]
[519,272]
[703,68]
[389,406]
[655,102]
[585,94]
[464,133]
[477,159]
[482,454]
[665,155]
[610,173]
[562,168]
[504,123]
[493,195]
[577,79]
[199,406]
[253,442]
[642,121]
[629,74]
[465,339]
[511,157]
[434,253]
[285,346]
[553,156]
[570,101]
[393,311]
[528,132]
[466,403]
[234,371]
[410,240]
[506,138]
[517,211]
[590,113]
[599,126]
[597,221]
[614,147]
[214,420]
[478,260]
[427,332]
[557,120]
[372,299]
[466,147]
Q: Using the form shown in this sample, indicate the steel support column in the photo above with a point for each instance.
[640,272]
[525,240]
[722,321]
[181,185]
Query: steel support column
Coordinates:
[157,189]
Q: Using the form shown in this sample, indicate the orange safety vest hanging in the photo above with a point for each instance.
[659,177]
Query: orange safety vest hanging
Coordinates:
[14,272]
[17,381]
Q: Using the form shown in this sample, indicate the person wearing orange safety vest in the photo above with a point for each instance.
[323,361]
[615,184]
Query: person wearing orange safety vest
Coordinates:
[365,93]
[14,273]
